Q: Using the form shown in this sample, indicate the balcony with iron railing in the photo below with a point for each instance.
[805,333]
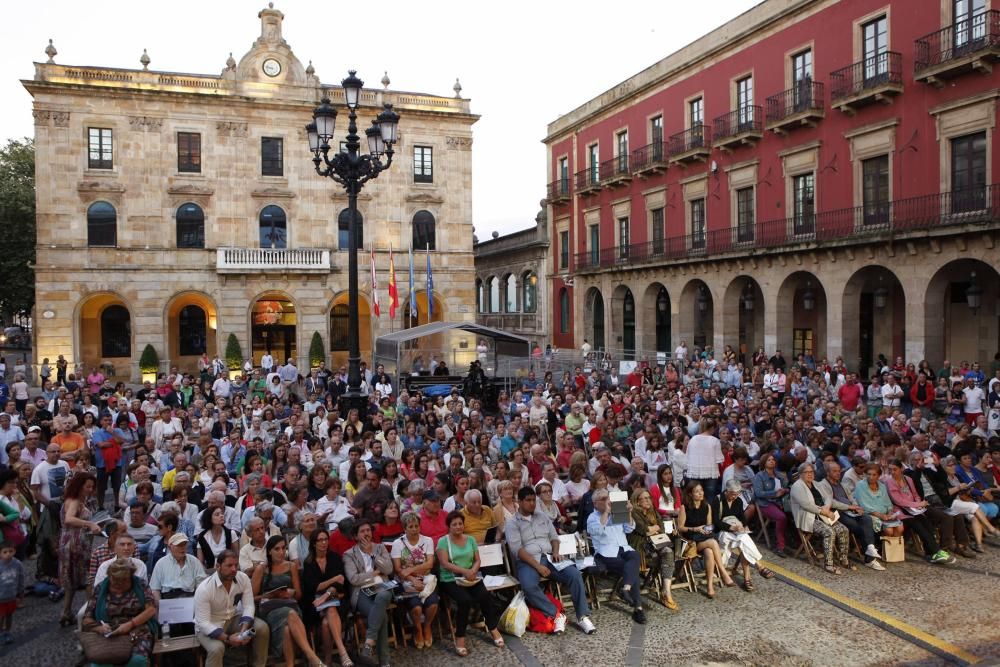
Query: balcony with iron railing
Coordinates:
[272,260]
[878,78]
[615,172]
[964,46]
[738,128]
[959,211]
[588,181]
[558,191]
[649,160]
[801,105]
[691,145]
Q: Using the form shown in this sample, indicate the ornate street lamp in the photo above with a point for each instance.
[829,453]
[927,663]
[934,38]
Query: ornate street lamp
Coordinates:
[702,300]
[974,294]
[661,302]
[352,169]
[748,297]
[808,298]
[881,295]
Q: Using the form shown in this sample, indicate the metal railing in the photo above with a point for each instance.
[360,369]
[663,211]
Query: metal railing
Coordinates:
[880,70]
[587,178]
[558,189]
[960,39]
[615,167]
[698,136]
[272,259]
[972,206]
[749,118]
[806,95]
[650,155]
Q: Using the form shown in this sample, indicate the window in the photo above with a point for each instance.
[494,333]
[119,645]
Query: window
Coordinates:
[697,223]
[190,226]
[273,227]
[594,164]
[802,342]
[529,292]
[494,295]
[656,137]
[189,152]
[116,332]
[803,204]
[100,148]
[271,156]
[563,311]
[744,102]
[423,164]
[595,245]
[968,173]
[102,224]
[802,74]
[875,189]
[339,327]
[744,215]
[656,218]
[970,24]
[423,231]
[696,118]
[563,176]
[193,331]
[480,296]
[344,229]
[563,250]
[875,42]
[510,294]
[621,143]
[623,236]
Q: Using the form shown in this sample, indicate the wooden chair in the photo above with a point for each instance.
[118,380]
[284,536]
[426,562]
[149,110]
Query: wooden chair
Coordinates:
[805,545]
[764,525]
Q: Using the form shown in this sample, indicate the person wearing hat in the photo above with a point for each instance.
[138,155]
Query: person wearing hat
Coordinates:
[123,605]
[178,574]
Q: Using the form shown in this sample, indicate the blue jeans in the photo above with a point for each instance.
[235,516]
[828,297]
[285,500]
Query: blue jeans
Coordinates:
[626,566]
[571,577]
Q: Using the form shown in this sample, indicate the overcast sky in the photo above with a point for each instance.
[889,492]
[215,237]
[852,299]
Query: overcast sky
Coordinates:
[522,63]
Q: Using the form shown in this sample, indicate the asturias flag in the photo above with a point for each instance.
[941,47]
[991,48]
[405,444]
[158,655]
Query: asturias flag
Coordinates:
[375,307]
[393,293]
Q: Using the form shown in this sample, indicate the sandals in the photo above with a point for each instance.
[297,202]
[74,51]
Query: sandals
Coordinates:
[66,621]
[833,569]
[461,651]
[499,642]
[669,603]
[710,595]
[345,661]
[766,573]
[748,586]
[849,566]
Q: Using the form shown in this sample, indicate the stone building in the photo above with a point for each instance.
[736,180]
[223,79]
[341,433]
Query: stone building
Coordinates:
[176,209]
[511,282]
[814,175]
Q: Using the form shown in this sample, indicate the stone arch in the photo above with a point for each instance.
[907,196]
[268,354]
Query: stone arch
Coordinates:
[183,339]
[873,318]
[656,314]
[276,327]
[594,318]
[743,316]
[697,315]
[953,330]
[87,332]
[338,313]
[801,313]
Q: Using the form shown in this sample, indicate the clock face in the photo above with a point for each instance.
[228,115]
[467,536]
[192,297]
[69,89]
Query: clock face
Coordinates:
[272,67]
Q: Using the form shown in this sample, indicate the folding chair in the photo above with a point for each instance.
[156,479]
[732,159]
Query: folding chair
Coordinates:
[805,545]
[765,523]
[182,643]
[573,547]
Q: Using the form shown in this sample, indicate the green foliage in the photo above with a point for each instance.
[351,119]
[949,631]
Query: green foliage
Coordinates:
[234,355]
[316,352]
[149,362]
[17,228]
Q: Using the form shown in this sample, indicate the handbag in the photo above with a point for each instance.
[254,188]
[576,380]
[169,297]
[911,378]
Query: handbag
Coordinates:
[97,648]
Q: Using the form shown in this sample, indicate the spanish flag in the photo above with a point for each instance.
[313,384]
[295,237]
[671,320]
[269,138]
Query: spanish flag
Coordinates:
[393,294]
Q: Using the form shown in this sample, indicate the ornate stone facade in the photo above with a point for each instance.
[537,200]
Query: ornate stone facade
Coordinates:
[159,279]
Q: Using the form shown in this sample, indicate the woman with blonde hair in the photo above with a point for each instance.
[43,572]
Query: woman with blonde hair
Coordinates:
[649,538]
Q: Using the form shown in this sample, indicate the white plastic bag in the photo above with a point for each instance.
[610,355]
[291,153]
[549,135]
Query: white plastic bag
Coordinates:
[514,620]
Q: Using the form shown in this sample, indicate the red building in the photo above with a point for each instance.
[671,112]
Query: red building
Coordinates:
[815,175]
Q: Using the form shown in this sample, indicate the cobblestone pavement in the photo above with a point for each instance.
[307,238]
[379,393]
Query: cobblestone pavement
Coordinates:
[778,624]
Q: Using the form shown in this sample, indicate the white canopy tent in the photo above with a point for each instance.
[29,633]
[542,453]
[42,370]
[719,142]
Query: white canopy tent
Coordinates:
[411,350]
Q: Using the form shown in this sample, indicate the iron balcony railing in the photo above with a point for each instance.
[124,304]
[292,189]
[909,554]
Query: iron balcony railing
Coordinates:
[588,177]
[558,189]
[806,95]
[749,118]
[698,136]
[880,70]
[649,156]
[616,166]
[960,39]
[980,205]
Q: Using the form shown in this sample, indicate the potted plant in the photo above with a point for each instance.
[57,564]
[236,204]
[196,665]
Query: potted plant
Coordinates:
[316,352]
[149,364]
[234,355]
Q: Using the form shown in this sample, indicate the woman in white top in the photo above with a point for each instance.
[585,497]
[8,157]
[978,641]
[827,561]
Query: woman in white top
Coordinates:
[333,507]
[677,454]
[214,537]
[413,560]
[383,386]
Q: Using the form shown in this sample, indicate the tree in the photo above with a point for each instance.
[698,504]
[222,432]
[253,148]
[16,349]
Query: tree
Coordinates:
[234,355]
[17,228]
[149,362]
[316,353]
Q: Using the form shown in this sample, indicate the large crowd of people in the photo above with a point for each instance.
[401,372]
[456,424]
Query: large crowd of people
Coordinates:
[287,522]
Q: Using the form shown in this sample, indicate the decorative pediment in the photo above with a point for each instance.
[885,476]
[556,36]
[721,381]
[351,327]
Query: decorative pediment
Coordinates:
[339,195]
[424,198]
[190,190]
[230,128]
[99,186]
[272,193]
[145,123]
[460,143]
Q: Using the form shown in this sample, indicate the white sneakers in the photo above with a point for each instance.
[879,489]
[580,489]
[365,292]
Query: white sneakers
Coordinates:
[585,624]
[872,551]
[875,565]
[560,622]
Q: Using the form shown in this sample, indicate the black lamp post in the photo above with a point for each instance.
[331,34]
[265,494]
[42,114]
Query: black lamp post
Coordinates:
[352,169]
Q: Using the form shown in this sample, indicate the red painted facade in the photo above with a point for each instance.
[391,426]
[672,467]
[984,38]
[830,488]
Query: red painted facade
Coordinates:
[829,29]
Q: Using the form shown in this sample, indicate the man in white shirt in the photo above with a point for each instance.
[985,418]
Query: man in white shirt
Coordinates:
[974,398]
[550,477]
[217,625]
[177,574]
[267,363]
[9,432]
[680,356]
[49,477]
[222,387]
[124,548]
[892,393]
